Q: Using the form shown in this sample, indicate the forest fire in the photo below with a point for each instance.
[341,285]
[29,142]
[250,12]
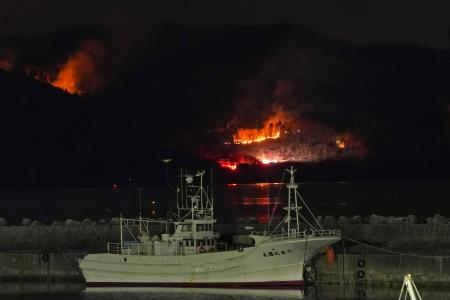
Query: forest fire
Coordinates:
[71,74]
[247,136]
[271,129]
[77,74]
[282,138]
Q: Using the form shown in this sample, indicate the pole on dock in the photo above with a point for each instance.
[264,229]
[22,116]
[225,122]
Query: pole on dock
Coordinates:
[410,288]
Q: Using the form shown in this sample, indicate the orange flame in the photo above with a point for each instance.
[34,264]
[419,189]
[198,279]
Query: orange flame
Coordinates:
[73,72]
[225,163]
[348,139]
[272,128]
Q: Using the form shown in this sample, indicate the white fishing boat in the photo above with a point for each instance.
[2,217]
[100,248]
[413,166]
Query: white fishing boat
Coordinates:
[190,254]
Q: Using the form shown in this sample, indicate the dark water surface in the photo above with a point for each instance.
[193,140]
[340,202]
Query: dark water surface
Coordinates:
[77,292]
[389,198]
[232,201]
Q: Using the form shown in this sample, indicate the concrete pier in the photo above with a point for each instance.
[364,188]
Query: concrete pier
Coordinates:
[385,270]
[44,266]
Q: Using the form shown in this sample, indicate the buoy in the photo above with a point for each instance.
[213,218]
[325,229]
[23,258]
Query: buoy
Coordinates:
[330,255]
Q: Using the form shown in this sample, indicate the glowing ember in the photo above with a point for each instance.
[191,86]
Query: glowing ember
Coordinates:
[268,161]
[225,163]
[348,140]
[6,64]
[340,144]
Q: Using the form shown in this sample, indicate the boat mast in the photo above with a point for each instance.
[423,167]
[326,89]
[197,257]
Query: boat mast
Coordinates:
[121,234]
[195,201]
[292,187]
[212,195]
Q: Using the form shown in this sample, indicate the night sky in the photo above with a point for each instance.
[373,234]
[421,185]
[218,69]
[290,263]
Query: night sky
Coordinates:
[402,21]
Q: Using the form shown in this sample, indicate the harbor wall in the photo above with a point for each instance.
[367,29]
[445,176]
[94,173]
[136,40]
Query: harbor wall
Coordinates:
[44,266]
[382,269]
[385,270]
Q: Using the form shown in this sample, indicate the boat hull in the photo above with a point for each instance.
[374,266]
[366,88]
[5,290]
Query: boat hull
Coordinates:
[269,264]
[233,285]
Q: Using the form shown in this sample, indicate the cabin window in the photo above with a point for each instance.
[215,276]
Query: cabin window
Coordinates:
[200,227]
[282,252]
[270,253]
[186,228]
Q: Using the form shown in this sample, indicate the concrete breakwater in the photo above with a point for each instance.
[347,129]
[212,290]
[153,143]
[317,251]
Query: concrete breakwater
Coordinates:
[55,238]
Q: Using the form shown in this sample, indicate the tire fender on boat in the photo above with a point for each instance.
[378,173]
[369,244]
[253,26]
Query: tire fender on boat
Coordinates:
[45,256]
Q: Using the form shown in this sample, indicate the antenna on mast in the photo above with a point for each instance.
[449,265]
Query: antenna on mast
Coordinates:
[166,161]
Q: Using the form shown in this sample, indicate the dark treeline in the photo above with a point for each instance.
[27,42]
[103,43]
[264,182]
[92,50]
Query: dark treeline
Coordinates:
[166,86]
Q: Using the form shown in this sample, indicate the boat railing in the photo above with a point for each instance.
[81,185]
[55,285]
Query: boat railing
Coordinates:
[142,249]
[294,234]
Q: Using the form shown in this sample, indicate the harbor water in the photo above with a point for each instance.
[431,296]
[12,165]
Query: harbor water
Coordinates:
[232,201]
[77,292]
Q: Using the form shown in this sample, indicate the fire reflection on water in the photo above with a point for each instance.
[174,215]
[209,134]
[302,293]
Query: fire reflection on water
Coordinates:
[257,201]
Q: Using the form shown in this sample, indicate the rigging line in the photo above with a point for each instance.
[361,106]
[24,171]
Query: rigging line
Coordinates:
[285,218]
[306,205]
[393,251]
[276,202]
